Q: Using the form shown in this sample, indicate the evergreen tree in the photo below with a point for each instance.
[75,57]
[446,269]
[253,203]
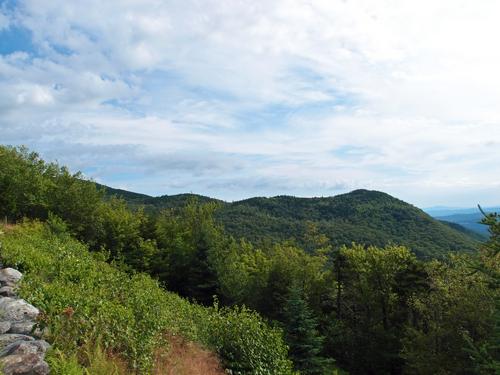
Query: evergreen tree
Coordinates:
[302,335]
[188,239]
[487,355]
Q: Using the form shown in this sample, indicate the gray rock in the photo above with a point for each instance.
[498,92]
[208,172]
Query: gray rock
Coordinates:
[25,347]
[25,328]
[4,327]
[20,353]
[24,364]
[17,310]
[8,338]
[7,291]
[10,276]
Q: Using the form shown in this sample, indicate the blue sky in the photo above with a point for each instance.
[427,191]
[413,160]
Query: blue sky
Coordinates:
[234,99]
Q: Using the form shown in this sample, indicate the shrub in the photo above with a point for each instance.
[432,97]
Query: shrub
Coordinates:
[85,300]
[246,343]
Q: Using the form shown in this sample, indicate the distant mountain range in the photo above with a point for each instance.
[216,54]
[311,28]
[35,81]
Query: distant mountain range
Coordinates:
[469,218]
[440,211]
[362,216]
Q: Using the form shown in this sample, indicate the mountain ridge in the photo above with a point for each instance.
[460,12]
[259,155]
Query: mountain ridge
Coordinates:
[363,216]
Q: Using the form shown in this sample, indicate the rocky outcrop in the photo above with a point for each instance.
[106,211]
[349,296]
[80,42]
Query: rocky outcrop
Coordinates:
[22,351]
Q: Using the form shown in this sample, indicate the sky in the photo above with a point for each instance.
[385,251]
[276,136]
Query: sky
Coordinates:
[236,98]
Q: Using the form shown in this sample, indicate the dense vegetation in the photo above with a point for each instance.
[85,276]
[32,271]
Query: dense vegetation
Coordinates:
[362,216]
[366,309]
[86,301]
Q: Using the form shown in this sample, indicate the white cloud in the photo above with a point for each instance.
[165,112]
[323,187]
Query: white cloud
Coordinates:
[272,89]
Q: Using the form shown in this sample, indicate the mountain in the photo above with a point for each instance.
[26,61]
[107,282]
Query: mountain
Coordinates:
[361,216]
[129,196]
[441,211]
[470,221]
[480,233]
[469,218]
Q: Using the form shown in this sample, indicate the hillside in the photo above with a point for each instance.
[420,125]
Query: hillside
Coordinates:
[471,221]
[90,305]
[472,228]
[127,289]
[361,216]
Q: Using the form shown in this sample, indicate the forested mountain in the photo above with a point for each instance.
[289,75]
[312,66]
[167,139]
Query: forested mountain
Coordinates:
[478,231]
[109,275]
[362,216]
[129,196]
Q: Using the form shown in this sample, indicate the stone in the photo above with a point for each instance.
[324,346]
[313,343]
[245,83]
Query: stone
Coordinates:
[25,347]
[10,276]
[25,327]
[20,352]
[17,310]
[8,338]
[24,364]
[7,291]
[4,327]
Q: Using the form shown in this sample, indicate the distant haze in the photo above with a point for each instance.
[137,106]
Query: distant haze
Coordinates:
[234,99]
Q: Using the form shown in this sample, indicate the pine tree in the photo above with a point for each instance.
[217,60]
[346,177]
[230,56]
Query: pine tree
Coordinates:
[487,355]
[302,335]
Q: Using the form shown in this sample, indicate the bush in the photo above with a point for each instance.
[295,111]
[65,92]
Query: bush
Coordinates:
[84,300]
[246,343]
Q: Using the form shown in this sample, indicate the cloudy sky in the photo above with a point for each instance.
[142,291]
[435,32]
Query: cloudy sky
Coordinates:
[234,98]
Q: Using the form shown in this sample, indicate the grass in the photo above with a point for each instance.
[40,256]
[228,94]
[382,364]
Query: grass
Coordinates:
[186,358]
[128,322]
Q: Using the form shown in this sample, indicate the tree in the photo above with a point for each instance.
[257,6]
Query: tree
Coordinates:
[189,241]
[486,355]
[455,310]
[24,183]
[301,334]
[367,319]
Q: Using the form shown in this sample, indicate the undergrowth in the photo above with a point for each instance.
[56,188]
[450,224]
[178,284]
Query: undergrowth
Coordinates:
[91,309]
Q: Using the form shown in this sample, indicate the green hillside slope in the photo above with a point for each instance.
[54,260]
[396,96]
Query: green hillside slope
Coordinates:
[481,234]
[361,216]
[89,303]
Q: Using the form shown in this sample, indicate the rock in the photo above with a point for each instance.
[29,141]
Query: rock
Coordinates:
[9,338]
[25,328]
[10,276]
[4,327]
[7,291]
[20,353]
[24,364]
[17,310]
[25,347]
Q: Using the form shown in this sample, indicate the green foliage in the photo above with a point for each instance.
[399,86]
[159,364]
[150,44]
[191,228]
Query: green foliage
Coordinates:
[35,189]
[96,362]
[84,299]
[260,353]
[302,335]
[457,308]
[60,364]
[374,309]
[362,216]
[486,354]
[366,324]
[188,241]
[24,182]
